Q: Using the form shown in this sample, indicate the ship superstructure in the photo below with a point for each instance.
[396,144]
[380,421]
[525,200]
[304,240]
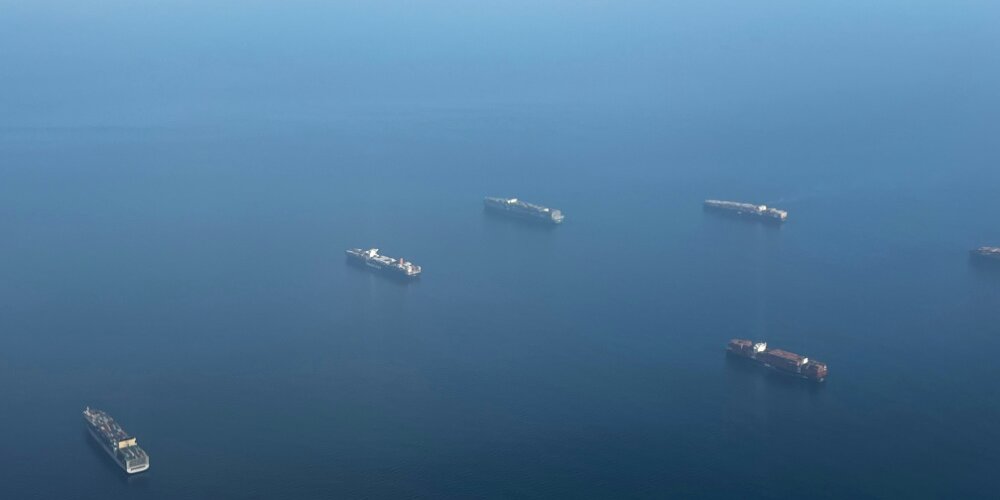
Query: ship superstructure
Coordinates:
[987,253]
[750,210]
[119,444]
[778,360]
[372,259]
[522,209]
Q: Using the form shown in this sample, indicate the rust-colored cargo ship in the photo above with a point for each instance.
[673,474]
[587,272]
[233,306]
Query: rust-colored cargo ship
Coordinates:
[778,360]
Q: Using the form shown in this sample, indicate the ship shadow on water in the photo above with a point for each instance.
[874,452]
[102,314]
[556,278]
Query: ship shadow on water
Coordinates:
[746,368]
[735,218]
[983,267]
[494,219]
[111,467]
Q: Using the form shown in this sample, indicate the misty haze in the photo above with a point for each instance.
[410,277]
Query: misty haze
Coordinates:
[522,249]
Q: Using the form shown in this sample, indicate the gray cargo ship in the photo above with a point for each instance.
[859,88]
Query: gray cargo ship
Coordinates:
[523,210]
[986,254]
[749,210]
[371,259]
[119,444]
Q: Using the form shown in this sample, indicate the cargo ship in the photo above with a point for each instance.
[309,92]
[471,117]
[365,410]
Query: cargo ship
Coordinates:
[778,360]
[371,259]
[523,210]
[986,254]
[119,444]
[749,210]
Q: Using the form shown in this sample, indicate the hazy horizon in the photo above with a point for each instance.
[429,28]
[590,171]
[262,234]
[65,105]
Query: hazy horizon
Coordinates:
[179,180]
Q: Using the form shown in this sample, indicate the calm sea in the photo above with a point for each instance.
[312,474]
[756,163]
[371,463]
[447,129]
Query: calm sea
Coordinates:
[178,183]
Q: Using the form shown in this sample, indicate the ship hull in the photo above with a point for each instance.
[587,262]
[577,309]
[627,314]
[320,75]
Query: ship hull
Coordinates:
[791,373]
[744,215]
[543,218]
[379,268]
[772,368]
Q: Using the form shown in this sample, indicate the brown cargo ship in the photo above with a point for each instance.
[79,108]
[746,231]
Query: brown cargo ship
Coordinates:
[778,360]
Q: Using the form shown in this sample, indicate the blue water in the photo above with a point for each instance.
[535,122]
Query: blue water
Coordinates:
[178,182]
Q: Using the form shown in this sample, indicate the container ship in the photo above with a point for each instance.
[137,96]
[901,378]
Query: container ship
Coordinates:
[778,360]
[986,254]
[749,210]
[523,210]
[118,443]
[372,259]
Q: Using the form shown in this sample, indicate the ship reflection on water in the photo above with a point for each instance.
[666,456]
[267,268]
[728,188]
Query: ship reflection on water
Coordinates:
[985,260]
[493,218]
[750,371]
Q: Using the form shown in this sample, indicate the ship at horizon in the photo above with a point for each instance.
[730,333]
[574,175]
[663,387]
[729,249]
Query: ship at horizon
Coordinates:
[120,445]
[779,360]
[762,213]
[371,259]
[523,210]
